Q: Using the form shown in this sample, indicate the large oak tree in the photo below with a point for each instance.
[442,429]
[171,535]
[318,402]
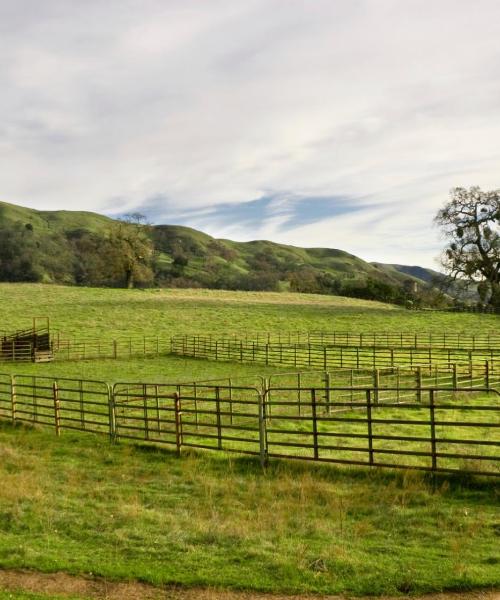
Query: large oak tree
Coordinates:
[471,222]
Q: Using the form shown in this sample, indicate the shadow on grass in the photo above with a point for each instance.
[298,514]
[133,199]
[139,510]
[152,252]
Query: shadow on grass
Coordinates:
[223,462]
[442,483]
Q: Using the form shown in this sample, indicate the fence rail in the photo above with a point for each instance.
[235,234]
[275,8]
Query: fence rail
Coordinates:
[312,355]
[317,349]
[377,419]
[99,348]
[382,339]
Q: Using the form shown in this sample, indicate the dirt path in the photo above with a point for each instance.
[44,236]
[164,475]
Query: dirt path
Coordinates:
[100,589]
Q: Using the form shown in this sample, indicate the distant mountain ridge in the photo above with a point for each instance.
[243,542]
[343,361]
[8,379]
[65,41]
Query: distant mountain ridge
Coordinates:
[421,273]
[187,257]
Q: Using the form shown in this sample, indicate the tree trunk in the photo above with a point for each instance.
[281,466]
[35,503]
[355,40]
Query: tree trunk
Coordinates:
[129,279]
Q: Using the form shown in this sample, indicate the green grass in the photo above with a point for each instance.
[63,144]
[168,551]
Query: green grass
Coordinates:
[81,505]
[21,595]
[106,313]
[94,311]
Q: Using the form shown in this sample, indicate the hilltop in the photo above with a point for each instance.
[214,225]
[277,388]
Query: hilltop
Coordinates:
[58,246]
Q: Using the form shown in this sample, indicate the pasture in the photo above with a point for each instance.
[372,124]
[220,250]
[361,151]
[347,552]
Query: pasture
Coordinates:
[131,511]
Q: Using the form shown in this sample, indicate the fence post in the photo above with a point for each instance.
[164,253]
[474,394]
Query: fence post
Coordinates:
[112,414]
[370,428]
[262,428]
[419,384]
[13,397]
[219,423]
[314,423]
[178,423]
[433,429]
[487,375]
[455,376]
[267,387]
[57,407]
[145,409]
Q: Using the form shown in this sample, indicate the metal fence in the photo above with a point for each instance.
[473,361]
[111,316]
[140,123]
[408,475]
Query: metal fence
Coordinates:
[383,339]
[82,405]
[319,356]
[16,351]
[458,434]
[99,348]
[201,415]
[318,349]
[402,419]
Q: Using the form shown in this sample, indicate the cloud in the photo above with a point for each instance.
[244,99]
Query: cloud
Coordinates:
[337,123]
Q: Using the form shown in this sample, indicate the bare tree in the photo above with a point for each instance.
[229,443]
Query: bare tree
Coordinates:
[471,223]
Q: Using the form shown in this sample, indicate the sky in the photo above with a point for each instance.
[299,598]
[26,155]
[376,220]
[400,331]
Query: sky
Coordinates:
[333,123]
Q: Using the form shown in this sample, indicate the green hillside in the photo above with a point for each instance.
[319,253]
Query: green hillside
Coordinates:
[73,247]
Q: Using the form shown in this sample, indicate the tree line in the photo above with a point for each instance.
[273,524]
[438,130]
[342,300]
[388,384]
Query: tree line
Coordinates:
[126,255]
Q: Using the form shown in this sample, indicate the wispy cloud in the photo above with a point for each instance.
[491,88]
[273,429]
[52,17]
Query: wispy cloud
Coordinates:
[317,123]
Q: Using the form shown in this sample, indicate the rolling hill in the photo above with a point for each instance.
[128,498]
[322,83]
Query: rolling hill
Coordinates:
[47,246]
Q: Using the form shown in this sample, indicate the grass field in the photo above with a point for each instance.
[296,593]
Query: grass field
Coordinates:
[81,505]
[112,312]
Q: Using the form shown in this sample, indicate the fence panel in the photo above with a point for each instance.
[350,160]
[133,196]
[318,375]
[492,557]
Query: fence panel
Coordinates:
[206,415]
[352,416]
[458,431]
[144,411]
[100,348]
[325,357]
[6,397]
[63,403]
[200,344]
[35,400]
[221,417]
[16,351]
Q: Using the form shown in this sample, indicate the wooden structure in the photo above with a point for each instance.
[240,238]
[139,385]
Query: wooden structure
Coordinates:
[29,345]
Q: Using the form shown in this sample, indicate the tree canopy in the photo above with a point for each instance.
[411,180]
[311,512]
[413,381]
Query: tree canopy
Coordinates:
[470,221]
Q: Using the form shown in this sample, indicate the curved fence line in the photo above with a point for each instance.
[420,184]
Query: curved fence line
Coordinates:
[407,419]
[382,339]
[327,356]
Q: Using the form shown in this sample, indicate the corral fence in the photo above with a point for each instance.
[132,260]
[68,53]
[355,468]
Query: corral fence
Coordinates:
[384,339]
[82,405]
[33,344]
[317,349]
[325,356]
[434,426]
[91,348]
